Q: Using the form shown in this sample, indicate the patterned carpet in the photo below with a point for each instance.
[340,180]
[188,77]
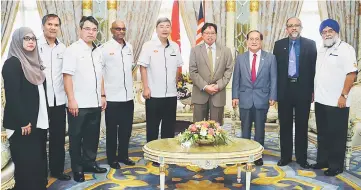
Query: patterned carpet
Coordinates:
[146,177]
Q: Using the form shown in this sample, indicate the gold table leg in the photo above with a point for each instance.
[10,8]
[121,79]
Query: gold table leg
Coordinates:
[162,173]
[249,168]
[239,173]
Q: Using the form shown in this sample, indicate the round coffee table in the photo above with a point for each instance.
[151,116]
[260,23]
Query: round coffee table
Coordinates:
[169,151]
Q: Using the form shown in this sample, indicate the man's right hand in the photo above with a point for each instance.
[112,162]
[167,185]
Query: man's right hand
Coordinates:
[26,130]
[146,93]
[73,107]
[235,103]
[211,89]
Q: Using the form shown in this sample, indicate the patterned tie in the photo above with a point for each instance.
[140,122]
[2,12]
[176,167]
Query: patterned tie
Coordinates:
[253,72]
[292,61]
[210,59]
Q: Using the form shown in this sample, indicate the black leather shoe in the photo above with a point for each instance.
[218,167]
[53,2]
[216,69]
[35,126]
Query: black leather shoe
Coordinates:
[78,176]
[283,162]
[127,161]
[94,169]
[318,166]
[61,176]
[114,165]
[333,172]
[305,165]
[258,162]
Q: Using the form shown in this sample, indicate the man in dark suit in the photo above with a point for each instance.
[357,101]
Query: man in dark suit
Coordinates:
[296,60]
[254,87]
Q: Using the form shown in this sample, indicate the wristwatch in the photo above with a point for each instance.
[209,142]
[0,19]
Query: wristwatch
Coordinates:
[344,95]
[103,95]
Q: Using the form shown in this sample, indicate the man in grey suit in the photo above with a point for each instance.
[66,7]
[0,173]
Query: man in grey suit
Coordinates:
[210,67]
[254,87]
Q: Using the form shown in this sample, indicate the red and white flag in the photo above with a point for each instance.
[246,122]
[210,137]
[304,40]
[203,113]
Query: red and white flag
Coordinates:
[199,38]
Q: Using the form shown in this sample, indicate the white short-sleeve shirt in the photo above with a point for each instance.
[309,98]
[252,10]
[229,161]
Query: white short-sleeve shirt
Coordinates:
[52,58]
[118,64]
[332,66]
[85,64]
[161,63]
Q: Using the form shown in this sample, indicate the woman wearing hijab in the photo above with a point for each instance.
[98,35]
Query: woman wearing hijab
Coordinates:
[25,112]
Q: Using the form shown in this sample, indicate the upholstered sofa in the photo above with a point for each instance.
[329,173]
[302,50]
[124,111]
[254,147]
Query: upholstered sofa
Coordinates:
[354,129]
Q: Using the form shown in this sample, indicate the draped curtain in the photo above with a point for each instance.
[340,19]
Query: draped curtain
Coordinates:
[8,14]
[272,20]
[215,12]
[70,13]
[347,14]
[141,17]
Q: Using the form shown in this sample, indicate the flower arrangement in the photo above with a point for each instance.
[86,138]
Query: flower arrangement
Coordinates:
[182,87]
[204,133]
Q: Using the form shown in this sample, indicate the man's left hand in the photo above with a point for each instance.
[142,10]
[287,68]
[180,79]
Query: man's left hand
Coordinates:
[104,103]
[272,102]
[341,102]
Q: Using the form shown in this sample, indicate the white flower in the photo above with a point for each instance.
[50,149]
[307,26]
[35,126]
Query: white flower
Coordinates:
[203,133]
[186,144]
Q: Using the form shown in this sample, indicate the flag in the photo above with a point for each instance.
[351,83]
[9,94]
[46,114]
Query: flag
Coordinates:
[199,38]
[175,34]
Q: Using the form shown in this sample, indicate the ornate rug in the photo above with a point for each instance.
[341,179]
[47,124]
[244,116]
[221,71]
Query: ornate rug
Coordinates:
[269,176]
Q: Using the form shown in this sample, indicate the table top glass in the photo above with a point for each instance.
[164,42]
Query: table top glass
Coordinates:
[171,145]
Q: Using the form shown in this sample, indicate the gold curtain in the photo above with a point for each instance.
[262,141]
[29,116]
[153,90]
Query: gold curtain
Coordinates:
[8,14]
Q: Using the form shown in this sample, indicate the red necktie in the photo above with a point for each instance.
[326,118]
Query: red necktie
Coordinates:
[253,72]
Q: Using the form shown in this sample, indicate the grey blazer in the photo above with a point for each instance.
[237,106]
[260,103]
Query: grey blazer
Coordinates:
[265,87]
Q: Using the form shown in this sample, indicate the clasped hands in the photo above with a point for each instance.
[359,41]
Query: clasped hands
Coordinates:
[211,89]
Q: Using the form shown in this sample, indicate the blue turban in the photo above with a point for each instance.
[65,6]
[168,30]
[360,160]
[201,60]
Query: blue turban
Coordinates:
[330,23]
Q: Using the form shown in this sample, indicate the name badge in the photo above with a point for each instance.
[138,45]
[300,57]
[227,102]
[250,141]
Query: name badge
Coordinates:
[59,55]
[172,53]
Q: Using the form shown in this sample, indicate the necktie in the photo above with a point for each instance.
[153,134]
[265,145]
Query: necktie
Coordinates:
[292,61]
[253,72]
[210,59]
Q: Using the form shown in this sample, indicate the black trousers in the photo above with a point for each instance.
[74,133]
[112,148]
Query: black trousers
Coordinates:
[301,106]
[84,137]
[28,153]
[56,139]
[332,124]
[118,114]
[160,109]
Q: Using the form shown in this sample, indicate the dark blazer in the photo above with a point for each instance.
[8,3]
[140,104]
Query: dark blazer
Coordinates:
[22,97]
[307,67]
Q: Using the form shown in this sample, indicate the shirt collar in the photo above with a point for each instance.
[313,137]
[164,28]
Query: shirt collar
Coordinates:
[42,40]
[159,43]
[86,47]
[258,53]
[213,46]
[297,41]
[118,44]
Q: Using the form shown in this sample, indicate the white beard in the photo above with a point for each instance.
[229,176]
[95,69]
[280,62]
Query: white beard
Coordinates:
[295,34]
[329,42]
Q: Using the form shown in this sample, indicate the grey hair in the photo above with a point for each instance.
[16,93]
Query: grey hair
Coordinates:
[295,18]
[163,19]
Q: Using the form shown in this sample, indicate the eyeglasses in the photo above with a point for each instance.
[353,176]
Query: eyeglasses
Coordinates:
[90,29]
[293,25]
[254,39]
[209,33]
[330,31]
[27,38]
[120,29]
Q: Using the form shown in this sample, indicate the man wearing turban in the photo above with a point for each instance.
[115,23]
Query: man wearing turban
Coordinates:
[335,73]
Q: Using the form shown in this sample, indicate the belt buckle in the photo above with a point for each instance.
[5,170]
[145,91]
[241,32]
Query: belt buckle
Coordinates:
[292,79]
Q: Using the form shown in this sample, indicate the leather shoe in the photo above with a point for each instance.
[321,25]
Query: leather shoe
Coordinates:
[333,172]
[127,161]
[258,162]
[283,162]
[114,165]
[318,166]
[78,176]
[61,176]
[305,165]
[94,169]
